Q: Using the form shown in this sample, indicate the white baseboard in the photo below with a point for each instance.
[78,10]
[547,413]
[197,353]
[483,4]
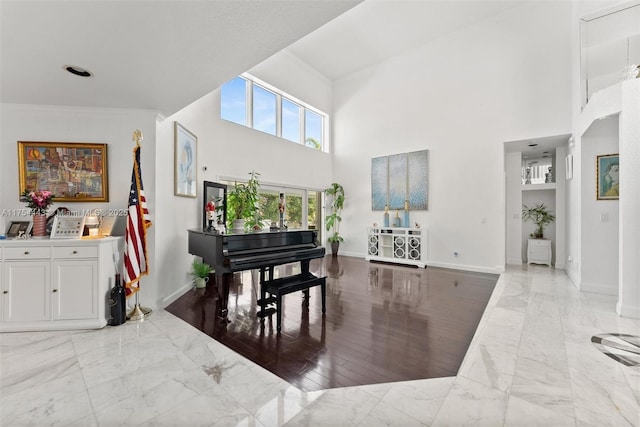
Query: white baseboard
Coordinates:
[496,270]
[475,268]
[177,294]
[599,288]
[628,311]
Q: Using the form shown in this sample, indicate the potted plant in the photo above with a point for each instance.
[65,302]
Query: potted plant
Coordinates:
[200,272]
[332,221]
[242,202]
[38,202]
[540,216]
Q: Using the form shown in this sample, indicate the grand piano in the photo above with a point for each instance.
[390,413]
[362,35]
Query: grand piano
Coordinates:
[229,253]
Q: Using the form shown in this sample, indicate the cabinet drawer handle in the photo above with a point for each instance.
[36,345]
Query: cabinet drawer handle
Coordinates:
[74,252]
[55,290]
[5,292]
[26,252]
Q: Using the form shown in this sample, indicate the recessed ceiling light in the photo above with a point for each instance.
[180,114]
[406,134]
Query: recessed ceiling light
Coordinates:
[78,71]
[533,145]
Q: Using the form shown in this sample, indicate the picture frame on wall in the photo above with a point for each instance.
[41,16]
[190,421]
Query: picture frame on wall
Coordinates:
[608,177]
[72,171]
[185,162]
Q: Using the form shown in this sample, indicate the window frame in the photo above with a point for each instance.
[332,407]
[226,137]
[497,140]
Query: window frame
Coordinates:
[288,190]
[252,81]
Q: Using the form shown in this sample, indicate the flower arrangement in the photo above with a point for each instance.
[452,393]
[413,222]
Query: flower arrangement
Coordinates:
[37,201]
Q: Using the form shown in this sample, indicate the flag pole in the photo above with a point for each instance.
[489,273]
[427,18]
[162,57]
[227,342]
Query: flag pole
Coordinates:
[138,312]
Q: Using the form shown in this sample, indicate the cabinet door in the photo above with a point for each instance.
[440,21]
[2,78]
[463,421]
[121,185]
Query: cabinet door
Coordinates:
[26,296]
[74,289]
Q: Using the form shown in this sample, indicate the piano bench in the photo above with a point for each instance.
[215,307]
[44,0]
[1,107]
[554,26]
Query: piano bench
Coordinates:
[287,285]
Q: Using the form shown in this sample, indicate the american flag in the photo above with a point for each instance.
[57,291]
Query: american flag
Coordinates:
[135,251]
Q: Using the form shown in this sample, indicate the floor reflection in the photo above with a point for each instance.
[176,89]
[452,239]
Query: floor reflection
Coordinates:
[384,322]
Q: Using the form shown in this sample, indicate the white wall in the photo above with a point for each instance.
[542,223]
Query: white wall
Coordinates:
[113,127]
[459,97]
[513,212]
[560,242]
[629,249]
[599,217]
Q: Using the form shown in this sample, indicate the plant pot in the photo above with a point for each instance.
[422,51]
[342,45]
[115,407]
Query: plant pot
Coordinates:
[39,225]
[334,248]
[200,282]
[237,226]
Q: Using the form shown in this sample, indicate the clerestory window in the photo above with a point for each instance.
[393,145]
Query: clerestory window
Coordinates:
[250,102]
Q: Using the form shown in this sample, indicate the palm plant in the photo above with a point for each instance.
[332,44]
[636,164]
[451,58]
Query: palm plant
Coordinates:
[540,216]
[332,221]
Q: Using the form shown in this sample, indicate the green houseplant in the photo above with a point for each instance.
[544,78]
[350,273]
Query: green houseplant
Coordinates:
[540,216]
[200,272]
[242,203]
[332,220]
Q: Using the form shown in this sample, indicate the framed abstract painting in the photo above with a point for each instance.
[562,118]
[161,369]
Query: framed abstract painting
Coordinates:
[186,155]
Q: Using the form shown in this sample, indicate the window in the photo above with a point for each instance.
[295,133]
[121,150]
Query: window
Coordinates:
[250,102]
[233,105]
[290,120]
[264,110]
[313,130]
[302,207]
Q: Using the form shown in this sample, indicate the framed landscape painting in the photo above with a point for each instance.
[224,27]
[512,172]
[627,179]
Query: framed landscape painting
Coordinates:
[72,171]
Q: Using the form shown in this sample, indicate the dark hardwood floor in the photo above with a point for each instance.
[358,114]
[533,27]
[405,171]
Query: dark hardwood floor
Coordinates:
[383,323]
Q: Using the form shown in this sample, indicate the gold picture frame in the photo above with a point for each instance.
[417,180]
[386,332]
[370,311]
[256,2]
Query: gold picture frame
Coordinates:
[72,171]
[608,177]
[185,162]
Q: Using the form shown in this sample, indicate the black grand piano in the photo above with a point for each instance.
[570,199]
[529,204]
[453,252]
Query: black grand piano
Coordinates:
[229,253]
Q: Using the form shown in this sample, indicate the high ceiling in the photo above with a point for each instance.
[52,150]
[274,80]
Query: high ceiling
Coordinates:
[158,55]
[376,30]
[163,55]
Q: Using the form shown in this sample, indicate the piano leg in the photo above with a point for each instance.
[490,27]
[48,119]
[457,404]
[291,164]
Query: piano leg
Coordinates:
[223,282]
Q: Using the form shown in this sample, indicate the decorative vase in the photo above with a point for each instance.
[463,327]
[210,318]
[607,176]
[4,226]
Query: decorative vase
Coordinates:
[39,225]
[386,215]
[406,214]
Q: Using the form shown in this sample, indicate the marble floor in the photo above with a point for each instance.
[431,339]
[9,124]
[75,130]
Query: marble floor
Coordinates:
[531,362]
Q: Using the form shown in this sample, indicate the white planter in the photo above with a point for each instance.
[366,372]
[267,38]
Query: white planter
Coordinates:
[200,282]
[237,226]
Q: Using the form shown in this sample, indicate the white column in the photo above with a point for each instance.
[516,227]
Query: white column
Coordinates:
[629,232]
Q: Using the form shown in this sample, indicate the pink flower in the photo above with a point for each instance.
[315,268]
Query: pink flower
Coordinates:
[37,201]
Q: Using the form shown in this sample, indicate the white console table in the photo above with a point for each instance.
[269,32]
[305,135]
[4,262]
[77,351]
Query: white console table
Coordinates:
[50,284]
[539,251]
[397,245]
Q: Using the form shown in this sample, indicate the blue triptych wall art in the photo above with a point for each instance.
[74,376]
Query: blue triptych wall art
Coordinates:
[400,177]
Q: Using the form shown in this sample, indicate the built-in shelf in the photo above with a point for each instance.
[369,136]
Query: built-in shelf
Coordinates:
[545,186]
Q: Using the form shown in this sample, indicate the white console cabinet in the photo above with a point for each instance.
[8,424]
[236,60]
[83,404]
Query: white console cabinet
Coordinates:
[539,251]
[397,245]
[56,284]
